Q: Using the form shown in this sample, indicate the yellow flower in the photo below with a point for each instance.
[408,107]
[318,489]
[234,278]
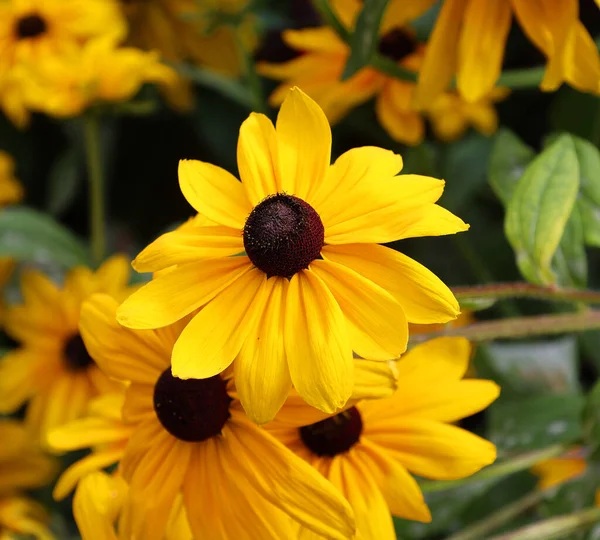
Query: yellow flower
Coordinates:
[98,505]
[52,369]
[11,191]
[319,70]
[192,438]
[312,285]
[188,30]
[22,466]
[469,38]
[99,72]
[33,30]
[369,450]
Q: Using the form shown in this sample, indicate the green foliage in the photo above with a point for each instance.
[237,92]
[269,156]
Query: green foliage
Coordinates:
[591,421]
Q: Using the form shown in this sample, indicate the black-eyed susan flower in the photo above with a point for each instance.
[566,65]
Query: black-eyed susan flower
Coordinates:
[99,508]
[33,30]
[191,438]
[99,72]
[22,466]
[52,370]
[290,279]
[368,451]
[323,56]
[469,38]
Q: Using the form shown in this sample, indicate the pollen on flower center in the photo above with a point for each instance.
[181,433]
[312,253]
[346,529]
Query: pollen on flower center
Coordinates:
[397,44]
[30,26]
[334,435]
[76,354]
[192,410]
[283,235]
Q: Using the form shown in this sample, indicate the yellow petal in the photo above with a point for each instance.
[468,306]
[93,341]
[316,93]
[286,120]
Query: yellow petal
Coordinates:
[402,123]
[86,432]
[322,40]
[583,66]
[177,293]
[262,377]
[442,52]
[257,157]
[399,13]
[214,192]
[317,344]
[376,323]
[19,371]
[481,47]
[423,296]
[214,337]
[356,167]
[433,450]
[304,144]
[188,246]
[374,380]
[290,483]
[113,275]
[555,471]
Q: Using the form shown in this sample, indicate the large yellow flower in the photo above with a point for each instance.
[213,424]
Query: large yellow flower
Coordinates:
[318,71]
[312,285]
[469,38]
[192,438]
[98,510]
[369,450]
[22,466]
[98,72]
[52,369]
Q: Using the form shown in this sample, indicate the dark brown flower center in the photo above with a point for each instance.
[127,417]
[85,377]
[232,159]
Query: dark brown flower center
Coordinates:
[76,354]
[30,26]
[192,410]
[334,435]
[397,44]
[283,235]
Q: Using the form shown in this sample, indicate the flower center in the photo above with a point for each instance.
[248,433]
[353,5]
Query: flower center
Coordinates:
[30,26]
[76,355]
[334,435]
[192,410]
[283,235]
[397,44]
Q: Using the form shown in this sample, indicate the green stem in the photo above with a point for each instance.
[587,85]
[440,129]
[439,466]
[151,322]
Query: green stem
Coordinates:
[331,19]
[96,189]
[558,527]
[522,78]
[520,327]
[498,470]
[495,520]
[500,291]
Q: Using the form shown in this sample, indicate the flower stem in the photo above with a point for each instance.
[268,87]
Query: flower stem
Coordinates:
[96,189]
[498,470]
[558,527]
[482,528]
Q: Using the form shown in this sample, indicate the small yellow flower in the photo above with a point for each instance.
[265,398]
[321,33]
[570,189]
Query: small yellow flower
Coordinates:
[22,466]
[98,505]
[33,30]
[369,450]
[191,438]
[290,277]
[469,38]
[52,370]
[99,72]
[318,70]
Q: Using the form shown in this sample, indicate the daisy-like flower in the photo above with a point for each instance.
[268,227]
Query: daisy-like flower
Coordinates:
[100,72]
[318,71]
[290,279]
[191,438]
[368,451]
[98,510]
[22,466]
[52,370]
[469,38]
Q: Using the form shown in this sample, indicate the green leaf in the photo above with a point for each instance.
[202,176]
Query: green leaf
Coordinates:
[535,367]
[509,158]
[569,263]
[591,421]
[589,189]
[573,495]
[535,422]
[365,38]
[63,182]
[539,209]
[29,235]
